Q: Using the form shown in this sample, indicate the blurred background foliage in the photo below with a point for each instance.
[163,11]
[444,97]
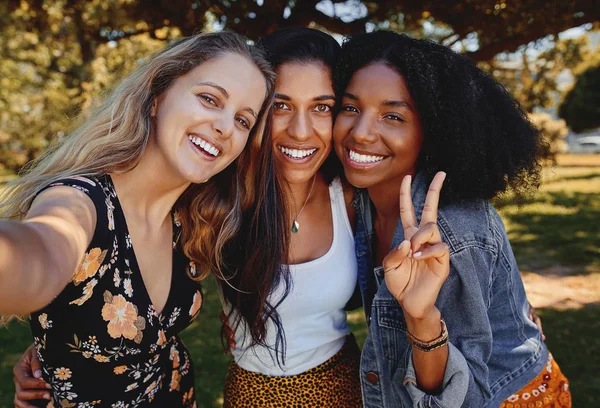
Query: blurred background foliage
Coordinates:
[57,56]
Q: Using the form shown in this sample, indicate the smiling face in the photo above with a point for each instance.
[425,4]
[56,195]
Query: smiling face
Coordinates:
[377,133]
[302,119]
[204,118]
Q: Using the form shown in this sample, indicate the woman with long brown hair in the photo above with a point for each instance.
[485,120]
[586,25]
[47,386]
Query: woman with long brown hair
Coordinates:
[305,355]
[107,235]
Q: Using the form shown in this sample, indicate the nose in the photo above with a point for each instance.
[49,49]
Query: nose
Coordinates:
[300,126]
[363,130]
[224,125]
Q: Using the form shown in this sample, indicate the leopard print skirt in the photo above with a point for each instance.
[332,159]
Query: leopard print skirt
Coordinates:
[335,383]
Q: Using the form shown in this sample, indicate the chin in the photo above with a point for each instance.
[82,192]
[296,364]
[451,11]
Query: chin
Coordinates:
[358,181]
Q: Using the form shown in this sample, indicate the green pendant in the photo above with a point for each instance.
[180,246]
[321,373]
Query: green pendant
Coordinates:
[295,226]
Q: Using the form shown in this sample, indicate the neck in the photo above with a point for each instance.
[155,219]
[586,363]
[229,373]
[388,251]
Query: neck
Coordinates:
[298,193]
[386,198]
[148,192]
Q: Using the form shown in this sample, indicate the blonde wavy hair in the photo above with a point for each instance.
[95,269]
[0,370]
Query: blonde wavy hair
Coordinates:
[114,137]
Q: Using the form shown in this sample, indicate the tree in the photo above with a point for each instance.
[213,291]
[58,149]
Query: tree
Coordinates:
[533,79]
[581,105]
[554,131]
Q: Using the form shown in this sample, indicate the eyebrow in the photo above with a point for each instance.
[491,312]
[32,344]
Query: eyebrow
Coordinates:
[316,98]
[226,94]
[251,111]
[391,103]
[218,87]
[398,104]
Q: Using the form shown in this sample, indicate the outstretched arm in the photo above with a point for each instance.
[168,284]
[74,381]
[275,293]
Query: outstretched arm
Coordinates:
[39,255]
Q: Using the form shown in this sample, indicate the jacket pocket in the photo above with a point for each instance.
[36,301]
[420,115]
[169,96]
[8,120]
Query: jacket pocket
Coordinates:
[392,329]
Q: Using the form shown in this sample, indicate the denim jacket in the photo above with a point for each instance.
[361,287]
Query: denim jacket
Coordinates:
[494,348]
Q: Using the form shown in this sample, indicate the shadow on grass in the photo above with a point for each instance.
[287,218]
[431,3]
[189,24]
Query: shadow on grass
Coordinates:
[573,337]
[554,228]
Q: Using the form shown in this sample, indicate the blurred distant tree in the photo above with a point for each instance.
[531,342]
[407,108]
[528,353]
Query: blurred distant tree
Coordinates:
[554,131]
[56,55]
[581,105]
[533,76]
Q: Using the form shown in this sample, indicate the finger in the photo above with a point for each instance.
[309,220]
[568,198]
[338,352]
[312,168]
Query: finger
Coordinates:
[439,251]
[538,323]
[430,209]
[36,367]
[427,234]
[32,383]
[394,259]
[24,377]
[29,395]
[407,211]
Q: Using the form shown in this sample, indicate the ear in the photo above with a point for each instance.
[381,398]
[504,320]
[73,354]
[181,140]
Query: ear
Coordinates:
[154,108]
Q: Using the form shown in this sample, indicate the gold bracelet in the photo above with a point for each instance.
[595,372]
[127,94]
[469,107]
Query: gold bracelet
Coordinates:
[427,346]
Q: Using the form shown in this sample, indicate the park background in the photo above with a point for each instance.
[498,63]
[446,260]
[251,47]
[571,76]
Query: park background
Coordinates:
[58,57]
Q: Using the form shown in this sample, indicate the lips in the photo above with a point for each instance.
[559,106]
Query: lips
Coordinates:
[204,145]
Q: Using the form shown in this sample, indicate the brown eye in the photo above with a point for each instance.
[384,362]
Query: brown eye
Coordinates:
[323,108]
[281,106]
[242,121]
[208,99]
[394,117]
[350,109]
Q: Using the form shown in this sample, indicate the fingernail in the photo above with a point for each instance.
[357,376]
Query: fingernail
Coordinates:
[48,386]
[402,243]
[37,374]
[417,254]
[47,396]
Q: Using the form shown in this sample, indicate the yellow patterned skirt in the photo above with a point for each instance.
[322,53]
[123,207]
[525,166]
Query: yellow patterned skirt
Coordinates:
[549,389]
[335,383]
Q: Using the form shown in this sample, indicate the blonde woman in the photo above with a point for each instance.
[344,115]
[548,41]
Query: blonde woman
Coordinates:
[105,231]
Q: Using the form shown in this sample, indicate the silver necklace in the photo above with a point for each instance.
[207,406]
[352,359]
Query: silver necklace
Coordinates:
[295,224]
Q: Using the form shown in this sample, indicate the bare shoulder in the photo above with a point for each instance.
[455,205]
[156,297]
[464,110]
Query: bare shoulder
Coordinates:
[66,208]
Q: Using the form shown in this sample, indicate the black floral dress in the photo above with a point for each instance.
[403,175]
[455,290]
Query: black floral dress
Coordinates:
[100,341]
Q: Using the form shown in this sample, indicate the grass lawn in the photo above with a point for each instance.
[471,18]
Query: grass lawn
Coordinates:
[557,231]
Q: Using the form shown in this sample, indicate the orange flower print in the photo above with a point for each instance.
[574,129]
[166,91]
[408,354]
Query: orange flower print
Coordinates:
[175,380]
[63,373]
[122,317]
[174,356]
[89,265]
[187,396]
[162,339]
[128,287]
[131,387]
[196,304]
[118,370]
[101,359]
[44,322]
[88,291]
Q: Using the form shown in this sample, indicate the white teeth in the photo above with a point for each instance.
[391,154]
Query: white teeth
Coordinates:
[295,153]
[204,145]
[363,158]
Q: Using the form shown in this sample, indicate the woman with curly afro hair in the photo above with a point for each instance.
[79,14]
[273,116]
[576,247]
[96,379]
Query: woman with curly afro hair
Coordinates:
[428,136]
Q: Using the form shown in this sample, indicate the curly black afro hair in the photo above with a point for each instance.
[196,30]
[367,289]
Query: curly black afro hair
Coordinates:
[473,129]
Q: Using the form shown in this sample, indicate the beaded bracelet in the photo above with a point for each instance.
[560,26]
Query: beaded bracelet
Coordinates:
[427,346]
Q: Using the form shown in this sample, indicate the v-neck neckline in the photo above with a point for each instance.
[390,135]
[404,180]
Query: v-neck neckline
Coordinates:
[133,257]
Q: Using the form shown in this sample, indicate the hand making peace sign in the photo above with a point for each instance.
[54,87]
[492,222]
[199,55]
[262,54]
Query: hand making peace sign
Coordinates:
[417,269]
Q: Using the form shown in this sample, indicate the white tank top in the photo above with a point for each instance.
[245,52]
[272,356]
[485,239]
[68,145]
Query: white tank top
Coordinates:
[312,315]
